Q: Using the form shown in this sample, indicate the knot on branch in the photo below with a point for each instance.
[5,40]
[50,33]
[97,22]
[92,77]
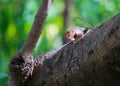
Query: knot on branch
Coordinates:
[21,66]
[39,59]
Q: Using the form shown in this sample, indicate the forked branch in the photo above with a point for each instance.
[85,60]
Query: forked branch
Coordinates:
[22,65]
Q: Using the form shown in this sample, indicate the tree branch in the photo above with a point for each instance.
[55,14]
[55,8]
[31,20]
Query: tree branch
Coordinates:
[66,12]
[35,32]
[93,61]
[66,17]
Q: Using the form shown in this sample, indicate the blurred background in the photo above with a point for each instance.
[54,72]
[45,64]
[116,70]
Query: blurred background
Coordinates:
[17,16]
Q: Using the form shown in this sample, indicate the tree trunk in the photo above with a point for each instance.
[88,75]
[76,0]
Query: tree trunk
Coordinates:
[92,61]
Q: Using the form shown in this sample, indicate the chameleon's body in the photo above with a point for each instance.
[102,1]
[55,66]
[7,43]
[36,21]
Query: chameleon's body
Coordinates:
[74,33]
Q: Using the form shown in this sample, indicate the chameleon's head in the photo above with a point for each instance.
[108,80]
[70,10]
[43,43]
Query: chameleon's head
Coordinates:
[75,32]
[70,33]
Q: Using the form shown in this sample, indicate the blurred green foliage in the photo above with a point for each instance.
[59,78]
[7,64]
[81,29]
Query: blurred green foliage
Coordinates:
[17,16]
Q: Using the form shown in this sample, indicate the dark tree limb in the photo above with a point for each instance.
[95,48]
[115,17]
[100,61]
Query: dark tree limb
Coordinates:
[35,32]
[93,61]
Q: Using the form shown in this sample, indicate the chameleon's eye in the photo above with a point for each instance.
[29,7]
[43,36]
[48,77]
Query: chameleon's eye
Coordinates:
[67,34]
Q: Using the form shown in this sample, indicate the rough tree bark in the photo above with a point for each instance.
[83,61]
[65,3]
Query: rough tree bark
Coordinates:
[93,61]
